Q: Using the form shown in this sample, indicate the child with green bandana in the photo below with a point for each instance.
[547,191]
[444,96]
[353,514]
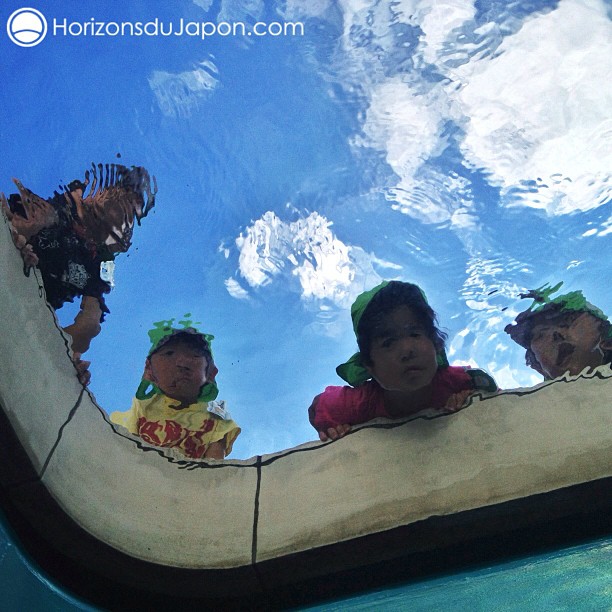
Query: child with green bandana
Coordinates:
[564,334]
[401,368]
[175,403]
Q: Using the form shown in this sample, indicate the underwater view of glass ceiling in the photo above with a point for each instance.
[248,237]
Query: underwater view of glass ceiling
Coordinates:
[461,146]
[293,154]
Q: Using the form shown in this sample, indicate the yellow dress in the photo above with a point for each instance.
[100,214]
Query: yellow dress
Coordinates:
[191,430]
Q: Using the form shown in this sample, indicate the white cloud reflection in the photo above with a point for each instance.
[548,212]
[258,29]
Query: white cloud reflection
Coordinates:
[532,98]
[406,128]
[539,111]
[606,228]
[203,4]
[441,22]
[306,256]
[236,290]
[180,94]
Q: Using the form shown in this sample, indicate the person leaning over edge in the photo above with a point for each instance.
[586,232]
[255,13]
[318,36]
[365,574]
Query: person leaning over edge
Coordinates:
[564,334]
[401,368]
[175,405]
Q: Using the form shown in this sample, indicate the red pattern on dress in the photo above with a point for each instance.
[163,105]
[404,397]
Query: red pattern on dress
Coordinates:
[175,435]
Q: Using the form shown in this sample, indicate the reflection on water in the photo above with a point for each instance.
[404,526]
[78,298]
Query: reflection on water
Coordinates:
[74,236]
[562,334]
[460,146]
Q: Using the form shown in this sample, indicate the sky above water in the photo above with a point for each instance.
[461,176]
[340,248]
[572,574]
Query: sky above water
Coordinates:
[464,146]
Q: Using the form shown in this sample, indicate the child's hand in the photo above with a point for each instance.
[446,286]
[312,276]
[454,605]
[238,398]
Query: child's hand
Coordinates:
[39,213]
[82,367]
[333,433]
[457,400]
[30,259]
[216,450]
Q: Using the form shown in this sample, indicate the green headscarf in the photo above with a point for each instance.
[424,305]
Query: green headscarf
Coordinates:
[542,304]
[162,333]
[353,371]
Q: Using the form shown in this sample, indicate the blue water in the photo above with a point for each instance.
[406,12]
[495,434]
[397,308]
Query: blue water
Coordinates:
[462,146]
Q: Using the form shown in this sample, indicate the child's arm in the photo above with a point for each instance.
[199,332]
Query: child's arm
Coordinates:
[30,259]
[477,380]
[40,214]
[82,368]
[331,415]
[86,325]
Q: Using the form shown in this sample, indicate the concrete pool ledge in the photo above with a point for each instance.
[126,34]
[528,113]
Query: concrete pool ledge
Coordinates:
[118,521]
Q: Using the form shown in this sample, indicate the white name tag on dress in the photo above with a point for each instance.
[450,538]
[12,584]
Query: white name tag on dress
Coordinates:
[218,408]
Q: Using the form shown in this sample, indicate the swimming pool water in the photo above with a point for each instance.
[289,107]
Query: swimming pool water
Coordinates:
[460,145]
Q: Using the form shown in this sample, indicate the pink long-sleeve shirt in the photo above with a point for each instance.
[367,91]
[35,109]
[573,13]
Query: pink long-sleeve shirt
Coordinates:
[353,405]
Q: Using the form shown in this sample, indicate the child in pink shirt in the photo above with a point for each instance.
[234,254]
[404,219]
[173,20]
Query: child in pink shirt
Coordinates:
[401,368]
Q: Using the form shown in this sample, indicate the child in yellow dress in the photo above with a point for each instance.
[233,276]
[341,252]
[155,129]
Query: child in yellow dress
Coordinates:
[175,403]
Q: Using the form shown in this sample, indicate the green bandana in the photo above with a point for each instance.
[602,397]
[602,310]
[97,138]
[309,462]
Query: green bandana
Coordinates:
[353,371]
[543,304]
[162,333]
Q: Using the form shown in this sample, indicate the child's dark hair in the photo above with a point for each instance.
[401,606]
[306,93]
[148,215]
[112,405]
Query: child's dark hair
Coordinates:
[194,342]
[395,294]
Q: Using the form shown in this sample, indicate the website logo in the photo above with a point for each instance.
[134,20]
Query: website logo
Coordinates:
[26,27]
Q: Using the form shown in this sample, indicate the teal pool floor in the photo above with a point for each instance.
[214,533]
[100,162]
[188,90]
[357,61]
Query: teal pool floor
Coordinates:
[24,587]
[577,579]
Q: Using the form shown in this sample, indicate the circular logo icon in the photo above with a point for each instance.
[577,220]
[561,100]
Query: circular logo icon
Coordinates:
[26,27]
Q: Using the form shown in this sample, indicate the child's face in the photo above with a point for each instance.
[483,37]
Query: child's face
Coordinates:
[561,345]
[179,370]
[403,358]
